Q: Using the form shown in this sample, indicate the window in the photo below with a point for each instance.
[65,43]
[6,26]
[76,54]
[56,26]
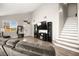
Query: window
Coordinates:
[9,25]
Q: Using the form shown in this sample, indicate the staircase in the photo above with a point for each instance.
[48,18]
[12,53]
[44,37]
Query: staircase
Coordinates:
[68,38]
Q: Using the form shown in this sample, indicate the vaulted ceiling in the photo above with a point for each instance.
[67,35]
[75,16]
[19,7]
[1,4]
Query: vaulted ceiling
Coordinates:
[15,8]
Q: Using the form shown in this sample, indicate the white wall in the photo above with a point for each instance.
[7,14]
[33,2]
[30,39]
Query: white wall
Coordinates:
[51,11]
[72,9]
[78,19]
[20,21]
[62,15]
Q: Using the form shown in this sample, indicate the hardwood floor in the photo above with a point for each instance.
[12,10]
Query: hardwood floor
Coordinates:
[64,52]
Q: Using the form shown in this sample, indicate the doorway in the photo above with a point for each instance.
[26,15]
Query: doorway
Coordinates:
[72,10]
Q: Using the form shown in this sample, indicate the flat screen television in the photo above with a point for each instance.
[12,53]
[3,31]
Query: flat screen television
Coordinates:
[43,25]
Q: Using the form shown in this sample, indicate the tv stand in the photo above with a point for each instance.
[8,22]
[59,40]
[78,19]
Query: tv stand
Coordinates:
[44,31]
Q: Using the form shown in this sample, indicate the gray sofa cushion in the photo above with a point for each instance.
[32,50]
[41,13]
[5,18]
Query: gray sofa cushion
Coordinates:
[19,52]
[12,42]
[35,48]
[3,41]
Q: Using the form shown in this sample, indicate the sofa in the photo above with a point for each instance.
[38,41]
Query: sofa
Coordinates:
[2,42]
[28,47]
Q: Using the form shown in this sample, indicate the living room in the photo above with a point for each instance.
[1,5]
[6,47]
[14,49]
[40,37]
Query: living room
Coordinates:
[33,29]
[17,25]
